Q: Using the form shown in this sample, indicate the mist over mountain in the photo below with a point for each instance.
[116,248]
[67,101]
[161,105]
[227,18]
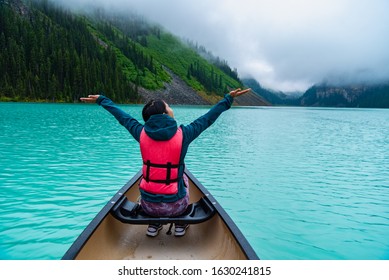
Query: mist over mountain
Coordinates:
[363,96]
[285,45]
[271,96]
[327,95]
[49,53]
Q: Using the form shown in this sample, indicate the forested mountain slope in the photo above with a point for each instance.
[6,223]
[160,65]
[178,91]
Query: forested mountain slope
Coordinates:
[52,54]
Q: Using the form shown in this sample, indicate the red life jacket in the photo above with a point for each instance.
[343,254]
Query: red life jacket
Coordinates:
[161,161]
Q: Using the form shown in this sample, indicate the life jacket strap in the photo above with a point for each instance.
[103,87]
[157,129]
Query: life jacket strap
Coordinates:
[168,167]
[148,163]
[168,171]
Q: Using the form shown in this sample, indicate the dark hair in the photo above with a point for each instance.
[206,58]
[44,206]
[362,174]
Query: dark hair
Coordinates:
[153,107]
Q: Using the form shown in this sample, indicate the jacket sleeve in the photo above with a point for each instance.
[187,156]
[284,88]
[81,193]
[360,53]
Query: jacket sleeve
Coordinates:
[126,120]
[193,130]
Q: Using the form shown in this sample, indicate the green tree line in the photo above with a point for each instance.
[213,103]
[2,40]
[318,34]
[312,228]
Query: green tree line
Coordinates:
[52,54]
[212,81]
[49,54]
[215,60]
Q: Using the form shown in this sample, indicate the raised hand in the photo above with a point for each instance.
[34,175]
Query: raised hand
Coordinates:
[90,98]
[238,92]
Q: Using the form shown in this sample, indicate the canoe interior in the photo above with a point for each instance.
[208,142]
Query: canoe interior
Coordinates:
[118,241]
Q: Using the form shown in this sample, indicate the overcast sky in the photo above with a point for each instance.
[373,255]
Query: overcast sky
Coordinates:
[284,45]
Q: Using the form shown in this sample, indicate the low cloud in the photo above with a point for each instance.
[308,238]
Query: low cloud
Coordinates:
[285,45]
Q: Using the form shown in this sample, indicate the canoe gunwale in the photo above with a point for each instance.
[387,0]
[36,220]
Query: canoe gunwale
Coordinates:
[76,247]
[82,239]
[241,239]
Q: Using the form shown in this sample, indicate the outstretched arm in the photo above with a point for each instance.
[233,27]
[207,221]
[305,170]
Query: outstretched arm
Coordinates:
[126,120]
[193,130]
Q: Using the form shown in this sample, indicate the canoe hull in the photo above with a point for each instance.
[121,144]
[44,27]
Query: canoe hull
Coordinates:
[106,238]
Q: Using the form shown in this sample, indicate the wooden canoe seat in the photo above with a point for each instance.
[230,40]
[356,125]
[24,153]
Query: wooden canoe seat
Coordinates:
[132,213]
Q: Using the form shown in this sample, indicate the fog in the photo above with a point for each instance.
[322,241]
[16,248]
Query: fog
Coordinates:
[284,45]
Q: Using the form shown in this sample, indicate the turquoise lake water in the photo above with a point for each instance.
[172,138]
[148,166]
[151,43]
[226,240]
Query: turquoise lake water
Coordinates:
[300,183]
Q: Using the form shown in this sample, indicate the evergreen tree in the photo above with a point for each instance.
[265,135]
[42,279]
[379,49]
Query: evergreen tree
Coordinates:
[51,55]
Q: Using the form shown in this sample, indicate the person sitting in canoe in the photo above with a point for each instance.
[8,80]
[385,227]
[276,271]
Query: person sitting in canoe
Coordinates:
[163,146]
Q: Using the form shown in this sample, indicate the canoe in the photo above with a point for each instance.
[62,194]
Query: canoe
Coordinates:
[118,231]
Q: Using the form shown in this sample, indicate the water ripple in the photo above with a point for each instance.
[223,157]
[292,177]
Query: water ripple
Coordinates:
[300,183]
